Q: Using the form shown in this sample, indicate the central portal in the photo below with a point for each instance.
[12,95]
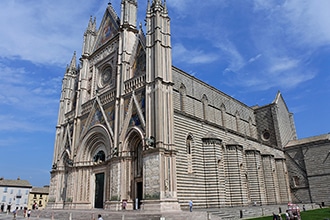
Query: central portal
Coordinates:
[99,190]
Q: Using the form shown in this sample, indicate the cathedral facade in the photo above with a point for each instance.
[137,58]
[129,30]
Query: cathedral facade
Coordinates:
[135,132]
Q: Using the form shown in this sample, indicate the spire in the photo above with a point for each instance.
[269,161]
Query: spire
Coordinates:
[165,7]
[148,6]
[73,65]
[68,88]
[160,4]
[157,2]
[94,25]
[90,24]
[158,38]
[128,13]
[89,36]
[91,27]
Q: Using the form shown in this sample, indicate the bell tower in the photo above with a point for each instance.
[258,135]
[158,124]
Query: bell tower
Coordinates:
[159,75]
[159,109]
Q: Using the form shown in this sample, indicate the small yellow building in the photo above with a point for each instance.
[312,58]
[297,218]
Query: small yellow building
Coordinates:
[38,197]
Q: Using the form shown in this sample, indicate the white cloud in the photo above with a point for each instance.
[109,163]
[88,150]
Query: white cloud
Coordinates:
[309,21]
[253,59]
[230,52]
[48,32]
[178,4]
[286,33]
[283,64]
[15,124]
[303,23]
[190,6]
[282,74]
[27,95]
[182,54]
[44,31]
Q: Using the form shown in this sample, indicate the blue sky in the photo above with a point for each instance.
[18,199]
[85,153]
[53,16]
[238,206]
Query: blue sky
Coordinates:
[247,49]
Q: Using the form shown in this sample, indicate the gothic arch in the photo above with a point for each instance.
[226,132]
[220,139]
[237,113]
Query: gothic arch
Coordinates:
[183,94]
[189,143]
[134,145]
[133,135]
[205,103]
[64,158]
[133,149]
[189,152]
[96,139]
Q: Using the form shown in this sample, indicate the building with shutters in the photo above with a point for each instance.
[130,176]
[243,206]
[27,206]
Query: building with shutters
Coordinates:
[38,198]
[14,194]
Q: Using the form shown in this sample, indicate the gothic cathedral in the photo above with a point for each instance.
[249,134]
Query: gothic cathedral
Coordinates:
[135,132]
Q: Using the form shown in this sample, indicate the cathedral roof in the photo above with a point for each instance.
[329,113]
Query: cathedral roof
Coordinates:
[309,141]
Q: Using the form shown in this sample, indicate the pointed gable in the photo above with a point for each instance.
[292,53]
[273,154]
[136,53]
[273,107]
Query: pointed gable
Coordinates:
[109,27]
[138,60]
[139,65]
[285,122]
[279,100]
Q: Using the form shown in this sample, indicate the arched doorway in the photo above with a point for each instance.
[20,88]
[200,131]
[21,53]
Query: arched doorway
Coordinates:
[99,181]
[138,167]
[95,151]
[135,144]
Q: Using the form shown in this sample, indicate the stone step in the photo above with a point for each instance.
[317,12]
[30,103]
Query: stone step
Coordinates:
[224,213]
[126,215]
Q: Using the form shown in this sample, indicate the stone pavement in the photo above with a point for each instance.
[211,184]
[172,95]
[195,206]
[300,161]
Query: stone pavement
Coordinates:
[4,216]
[227,213]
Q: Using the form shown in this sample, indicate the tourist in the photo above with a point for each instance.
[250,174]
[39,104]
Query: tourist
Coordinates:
[15,212]
[279,217]
[29,213]
[99,217]
[190,205]
[124,204]
[287,215]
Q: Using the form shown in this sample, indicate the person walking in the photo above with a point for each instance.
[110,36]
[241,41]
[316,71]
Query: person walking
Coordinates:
[190,205]
[29,213]
[15,212]
[99,217]
[287,215]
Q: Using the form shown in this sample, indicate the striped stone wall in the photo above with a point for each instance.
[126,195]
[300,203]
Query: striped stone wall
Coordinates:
[213,172]
[256,180]
[236,192]
[282,177]
[270,180]
[308,162]
[223,174]
[228,165]
[221,109]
